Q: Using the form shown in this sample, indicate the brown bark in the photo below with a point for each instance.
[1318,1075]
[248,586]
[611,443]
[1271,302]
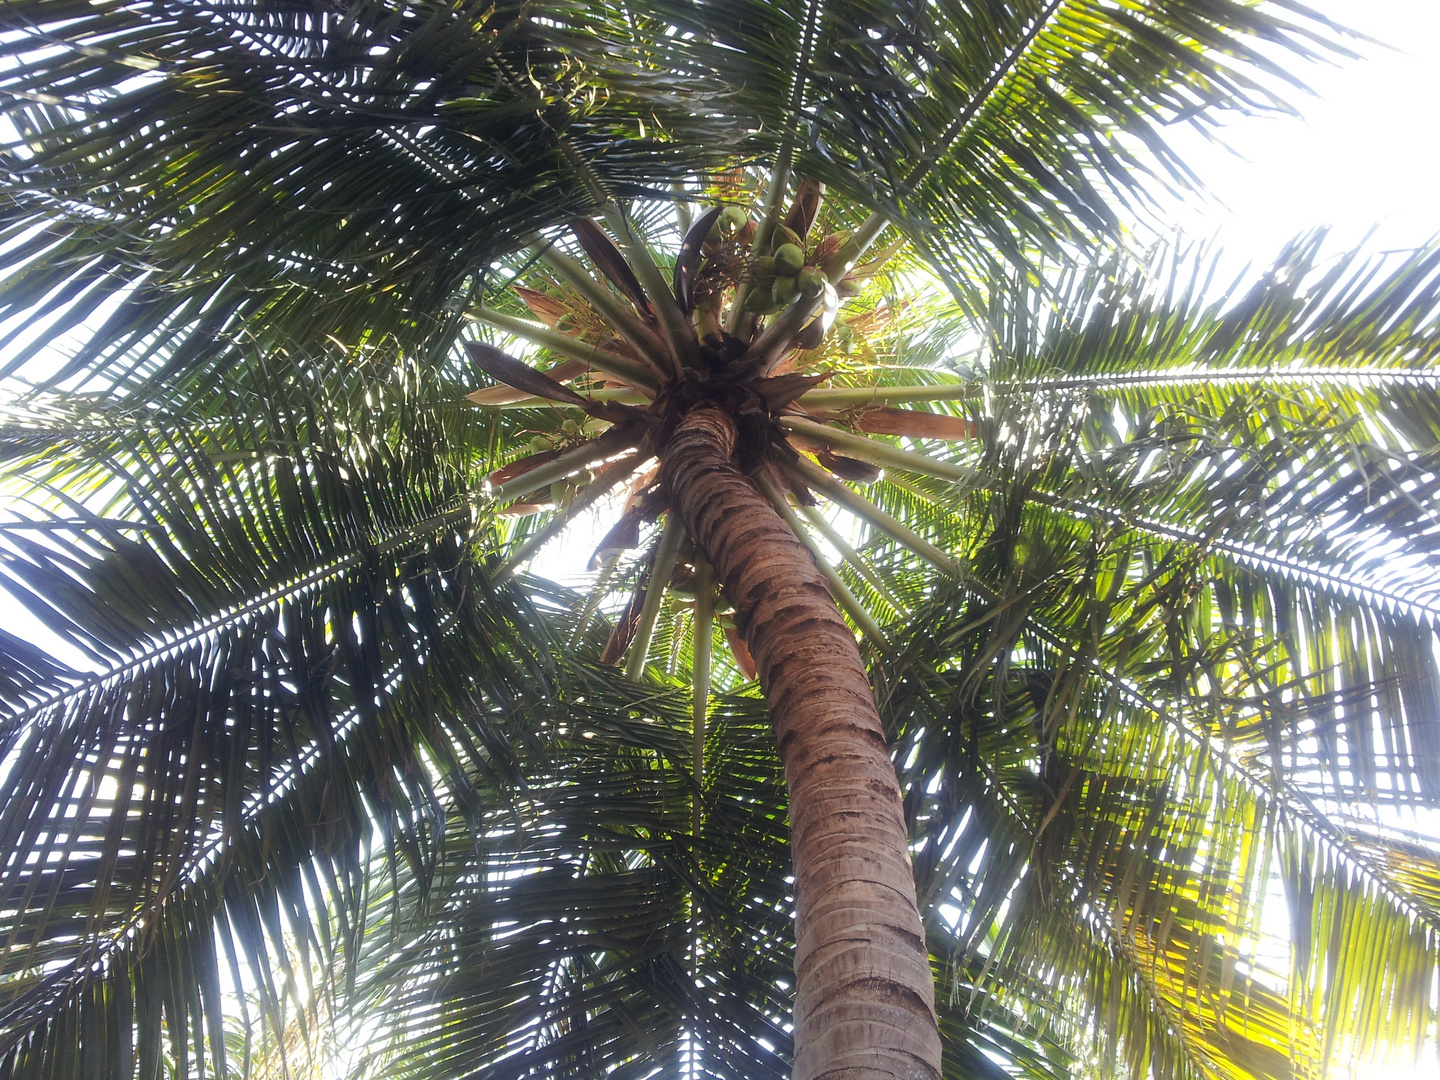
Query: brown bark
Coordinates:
[864,996]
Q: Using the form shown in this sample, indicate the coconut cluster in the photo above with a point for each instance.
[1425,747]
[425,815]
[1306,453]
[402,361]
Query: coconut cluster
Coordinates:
[782,275]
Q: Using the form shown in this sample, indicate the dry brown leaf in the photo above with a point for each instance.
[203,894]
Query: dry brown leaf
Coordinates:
[861,472]
[521,466]
[806,206]
[504,395]
[607,258]
[624,535]
[526,508]
[742,654]
[917,423]
[546,308]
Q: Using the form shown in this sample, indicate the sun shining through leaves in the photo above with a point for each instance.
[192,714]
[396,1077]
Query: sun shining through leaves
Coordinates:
[1014,620]
[1190,469]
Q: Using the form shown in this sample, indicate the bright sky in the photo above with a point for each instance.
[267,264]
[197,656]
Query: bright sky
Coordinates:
[1366,155]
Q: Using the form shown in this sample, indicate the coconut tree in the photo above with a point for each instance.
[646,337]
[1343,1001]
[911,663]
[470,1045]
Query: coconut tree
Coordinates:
[339,766]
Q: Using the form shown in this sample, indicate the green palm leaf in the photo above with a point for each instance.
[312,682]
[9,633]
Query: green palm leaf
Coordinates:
[1143,577]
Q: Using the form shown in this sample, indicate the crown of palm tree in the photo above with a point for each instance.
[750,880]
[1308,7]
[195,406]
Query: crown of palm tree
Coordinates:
[638,381]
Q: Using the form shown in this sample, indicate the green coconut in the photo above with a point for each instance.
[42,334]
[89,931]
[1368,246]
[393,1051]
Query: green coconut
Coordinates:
[784,235]
[811,281]
[760,301]
[789,258]
[762,269]
[732,219]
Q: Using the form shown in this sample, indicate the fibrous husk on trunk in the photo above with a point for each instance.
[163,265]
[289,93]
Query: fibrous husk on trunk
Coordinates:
[864,996]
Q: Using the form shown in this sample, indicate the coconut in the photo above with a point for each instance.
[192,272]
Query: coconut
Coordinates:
[811,281]
[789,258]
[732,219]
[785,235]
[760,301]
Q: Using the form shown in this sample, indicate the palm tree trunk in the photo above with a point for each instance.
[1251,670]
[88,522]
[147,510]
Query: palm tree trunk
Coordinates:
[864,996]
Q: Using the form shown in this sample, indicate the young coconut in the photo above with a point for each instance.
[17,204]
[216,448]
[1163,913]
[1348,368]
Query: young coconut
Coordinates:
[810,281]
[789,258]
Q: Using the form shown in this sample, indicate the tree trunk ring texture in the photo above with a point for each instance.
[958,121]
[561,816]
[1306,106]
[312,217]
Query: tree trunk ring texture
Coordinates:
[864,996]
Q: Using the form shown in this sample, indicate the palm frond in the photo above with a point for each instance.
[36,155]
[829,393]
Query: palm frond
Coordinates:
[403,148]
[263,723]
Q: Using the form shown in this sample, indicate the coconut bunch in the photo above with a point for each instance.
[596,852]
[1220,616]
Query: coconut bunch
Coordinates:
[744,321]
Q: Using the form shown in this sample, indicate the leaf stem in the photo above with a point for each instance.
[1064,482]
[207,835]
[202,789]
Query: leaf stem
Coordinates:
[844,260]
[853,557]
[700,705]
[784,161]
[875,452]
[665,554]
[629,327]
[572,461]
[527,550]
[597,594]
[843,596]
[682,345]
[776,337]
[863,507]
[617,397]
[600,359]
